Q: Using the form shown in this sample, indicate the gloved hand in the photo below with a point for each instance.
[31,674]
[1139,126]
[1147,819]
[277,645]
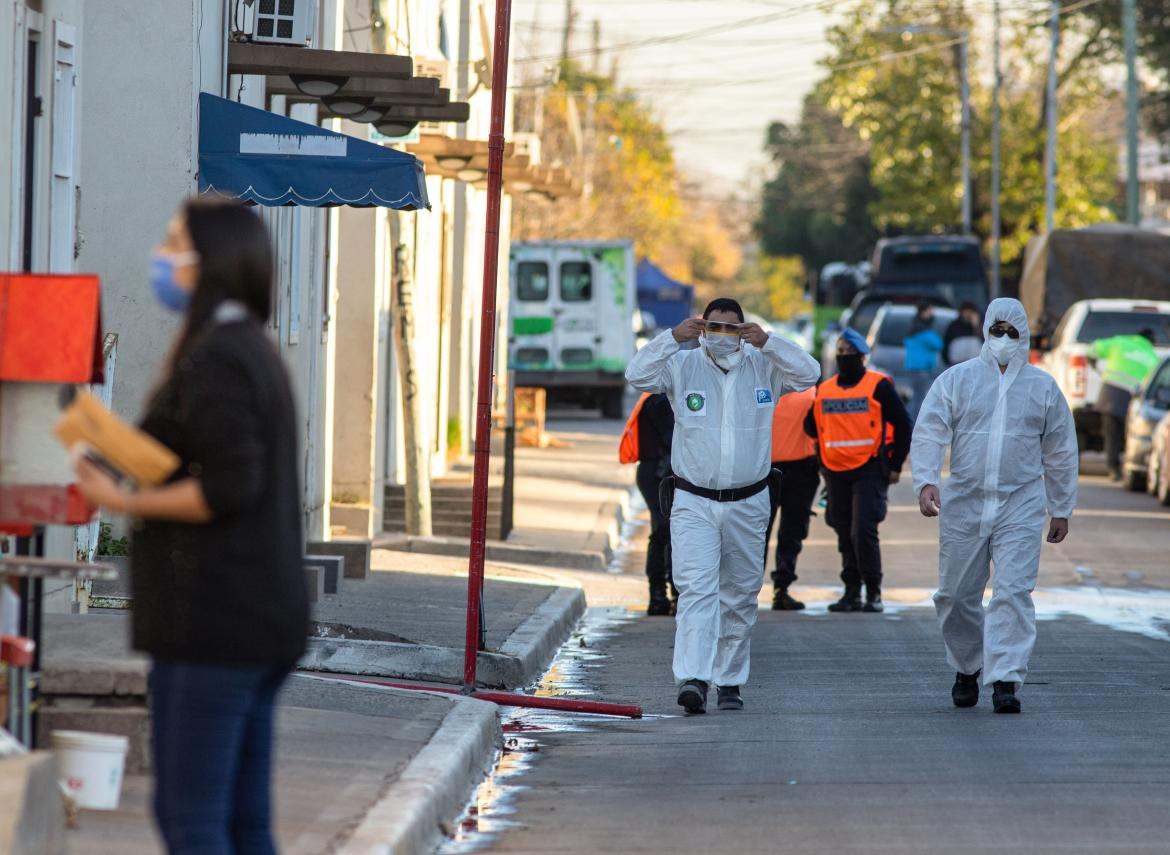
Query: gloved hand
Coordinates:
[929,502]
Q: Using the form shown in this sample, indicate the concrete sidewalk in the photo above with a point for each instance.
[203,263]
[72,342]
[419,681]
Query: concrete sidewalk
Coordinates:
[358,769]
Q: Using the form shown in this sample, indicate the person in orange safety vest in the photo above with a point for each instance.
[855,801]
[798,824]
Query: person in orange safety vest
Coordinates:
[646,441]
[794,453]
[863,433]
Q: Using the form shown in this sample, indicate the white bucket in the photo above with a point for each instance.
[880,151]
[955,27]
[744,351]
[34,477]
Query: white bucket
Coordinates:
[91,766]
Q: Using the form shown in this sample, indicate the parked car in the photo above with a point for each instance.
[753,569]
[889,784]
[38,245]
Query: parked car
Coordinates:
[860,316]
[1068,359]
[1147,408]
[1158,464]
[886,334]
[946,267]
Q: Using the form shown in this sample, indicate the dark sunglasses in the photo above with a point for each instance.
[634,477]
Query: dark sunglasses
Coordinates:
[722,328]
[1000,332]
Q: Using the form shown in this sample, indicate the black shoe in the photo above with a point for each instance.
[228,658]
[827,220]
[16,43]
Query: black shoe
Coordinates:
[659,606]
[728,698]
[965,692]
[782,601]
[693,697]
[873,603]
[1003,697]
[850,602]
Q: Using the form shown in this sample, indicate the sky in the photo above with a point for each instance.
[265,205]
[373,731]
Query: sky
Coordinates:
[729,68]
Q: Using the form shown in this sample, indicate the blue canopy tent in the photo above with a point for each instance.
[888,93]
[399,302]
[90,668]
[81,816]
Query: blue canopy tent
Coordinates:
[668,300]
[272,160]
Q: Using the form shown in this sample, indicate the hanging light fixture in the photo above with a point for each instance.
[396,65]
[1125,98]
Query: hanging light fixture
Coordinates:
[348,105]
[453,162]
[520,186]
[470,174]
[318,86]
[395,129]
[370,114]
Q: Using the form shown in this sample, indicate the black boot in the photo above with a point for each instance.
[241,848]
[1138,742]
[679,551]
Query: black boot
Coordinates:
[873,599]
[782,601]
[1003,697]
[849,602]
[659,603]
[965,692]
[692,696]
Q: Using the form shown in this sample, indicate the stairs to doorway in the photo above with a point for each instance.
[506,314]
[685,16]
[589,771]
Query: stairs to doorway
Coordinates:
[450,508]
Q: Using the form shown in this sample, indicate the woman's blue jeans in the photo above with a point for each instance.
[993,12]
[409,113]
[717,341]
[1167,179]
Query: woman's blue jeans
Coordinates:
[213,734]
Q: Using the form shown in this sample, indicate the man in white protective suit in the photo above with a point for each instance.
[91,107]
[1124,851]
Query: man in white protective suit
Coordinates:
[1013,461]
[722,393]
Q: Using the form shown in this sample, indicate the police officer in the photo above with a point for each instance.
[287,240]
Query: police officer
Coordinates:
[794,454]
[1125,362]
[864,435]
[646,441]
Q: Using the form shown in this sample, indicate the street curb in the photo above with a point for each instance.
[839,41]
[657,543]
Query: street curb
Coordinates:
[520,661]
[500,553]
[535,642]
[407,818]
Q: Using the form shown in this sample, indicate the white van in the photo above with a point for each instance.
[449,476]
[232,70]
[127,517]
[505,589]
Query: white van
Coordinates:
[573,314]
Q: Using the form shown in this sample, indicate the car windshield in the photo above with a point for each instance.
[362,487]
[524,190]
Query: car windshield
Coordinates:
[895,326]
[1100,325]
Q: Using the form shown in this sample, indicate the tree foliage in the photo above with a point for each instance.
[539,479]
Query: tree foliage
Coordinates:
[610,139]
[888,114]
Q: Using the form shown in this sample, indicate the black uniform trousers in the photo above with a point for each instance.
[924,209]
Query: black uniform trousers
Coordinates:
[649,476]
[857,504]
[798,489]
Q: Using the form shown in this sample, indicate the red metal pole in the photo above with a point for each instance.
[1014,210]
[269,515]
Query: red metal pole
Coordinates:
[487,342]
[514,699]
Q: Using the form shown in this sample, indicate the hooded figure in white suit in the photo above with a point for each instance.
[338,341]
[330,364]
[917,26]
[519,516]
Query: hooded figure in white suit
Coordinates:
[1014,460]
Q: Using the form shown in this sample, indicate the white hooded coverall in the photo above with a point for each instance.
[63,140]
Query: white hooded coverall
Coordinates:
[722,440]
[1014,459]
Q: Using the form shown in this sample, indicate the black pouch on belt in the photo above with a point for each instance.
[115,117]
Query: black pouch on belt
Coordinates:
[775,480]
[666,495]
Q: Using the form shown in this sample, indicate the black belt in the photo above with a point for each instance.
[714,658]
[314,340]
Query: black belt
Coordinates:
[737,494]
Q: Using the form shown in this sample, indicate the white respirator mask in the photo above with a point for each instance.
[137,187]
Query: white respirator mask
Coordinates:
[725,350]
[1003,348]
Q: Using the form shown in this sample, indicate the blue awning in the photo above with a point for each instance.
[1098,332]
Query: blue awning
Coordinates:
[273,160]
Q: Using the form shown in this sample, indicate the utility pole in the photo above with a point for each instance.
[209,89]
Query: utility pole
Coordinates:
[567,36]
[596,45]
[418,474]
[1129,15]
[996,164]
[965,132]
[1050,151]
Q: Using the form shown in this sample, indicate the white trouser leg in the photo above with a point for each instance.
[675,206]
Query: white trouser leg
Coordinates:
[963,569]
[741,577]
[696,549]
[1010,628]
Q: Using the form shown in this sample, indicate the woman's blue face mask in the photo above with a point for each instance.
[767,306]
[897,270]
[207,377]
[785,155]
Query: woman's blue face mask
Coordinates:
[167,290]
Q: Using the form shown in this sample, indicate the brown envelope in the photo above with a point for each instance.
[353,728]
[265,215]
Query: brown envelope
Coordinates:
[140,456]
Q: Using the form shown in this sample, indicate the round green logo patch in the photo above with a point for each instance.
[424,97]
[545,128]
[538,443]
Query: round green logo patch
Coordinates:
[694,402]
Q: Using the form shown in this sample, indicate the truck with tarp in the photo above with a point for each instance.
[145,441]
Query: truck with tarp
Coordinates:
[1109,260]
[573,315]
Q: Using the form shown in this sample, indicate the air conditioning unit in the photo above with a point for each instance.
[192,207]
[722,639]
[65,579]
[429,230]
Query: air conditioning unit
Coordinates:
[284,22]
[527,143]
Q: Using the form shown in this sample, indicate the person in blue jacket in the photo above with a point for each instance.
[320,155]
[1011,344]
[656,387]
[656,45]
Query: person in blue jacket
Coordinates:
[923,346]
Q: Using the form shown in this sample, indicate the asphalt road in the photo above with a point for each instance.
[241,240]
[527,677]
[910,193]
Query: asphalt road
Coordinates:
[849,742]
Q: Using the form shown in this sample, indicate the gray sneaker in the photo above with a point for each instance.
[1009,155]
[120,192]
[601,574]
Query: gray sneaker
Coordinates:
[728,698]
[692,697]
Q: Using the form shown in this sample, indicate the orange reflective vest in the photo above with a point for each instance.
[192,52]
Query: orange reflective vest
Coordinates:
[850,427]
[628,449]
[789,441]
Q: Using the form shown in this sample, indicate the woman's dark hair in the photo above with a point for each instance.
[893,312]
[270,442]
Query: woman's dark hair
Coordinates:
[723,304]
[235,263]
